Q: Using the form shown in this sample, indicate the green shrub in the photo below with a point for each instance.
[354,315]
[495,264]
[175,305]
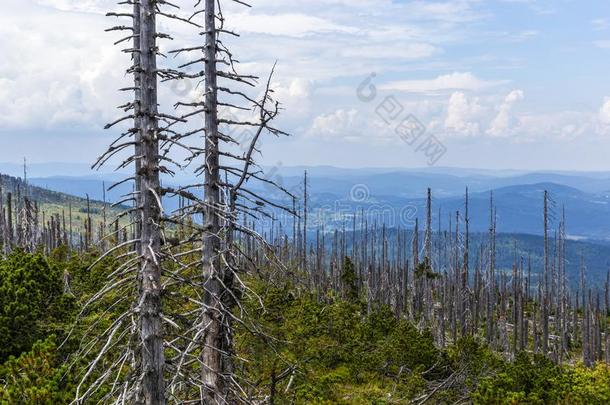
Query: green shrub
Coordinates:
[36,377]
[32,303]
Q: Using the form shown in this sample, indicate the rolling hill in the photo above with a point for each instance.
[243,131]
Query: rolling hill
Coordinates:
[52,202]
[519,208]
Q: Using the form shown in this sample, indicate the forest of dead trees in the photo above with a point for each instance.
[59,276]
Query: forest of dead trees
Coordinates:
[199,253]
[426,275]
[25,224]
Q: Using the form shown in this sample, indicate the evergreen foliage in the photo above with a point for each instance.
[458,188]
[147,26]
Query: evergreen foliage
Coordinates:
[306,351]
[32,302]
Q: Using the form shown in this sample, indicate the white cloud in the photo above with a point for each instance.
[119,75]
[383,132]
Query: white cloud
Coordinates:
[505,122]
[79,6]
[396,52]
[463,115]
[556,126]
[340,123]
[313,42]
[456,11]
[55,79]
[449,82]
[604,112]
[53,76]
[290,24]
[603,118]
[295,97]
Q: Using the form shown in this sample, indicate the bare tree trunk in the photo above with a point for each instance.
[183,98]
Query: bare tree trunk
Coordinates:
[88,232]
[491,282]
[305,247]
[152,355]
[70,225]
[9,210]
[465,292]
[545,294]
[211,351]
[417,295]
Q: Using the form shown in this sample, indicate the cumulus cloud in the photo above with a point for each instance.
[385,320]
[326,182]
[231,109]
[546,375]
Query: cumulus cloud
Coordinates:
[463,115]
[505,121]
[295,96]
[339,125]
[81,6]
[562,125]
[54,77]
[603,118]
[448,82]
[289,24]
[604,112]
[76,82]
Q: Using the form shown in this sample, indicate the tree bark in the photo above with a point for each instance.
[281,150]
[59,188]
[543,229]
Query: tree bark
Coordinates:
[152,355]
[213,340]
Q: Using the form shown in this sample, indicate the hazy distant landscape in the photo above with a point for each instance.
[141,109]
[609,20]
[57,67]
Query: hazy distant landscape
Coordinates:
[518,195]
[518,198]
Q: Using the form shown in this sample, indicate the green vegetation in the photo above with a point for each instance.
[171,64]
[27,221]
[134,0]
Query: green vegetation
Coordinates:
[307,351]
[53,203]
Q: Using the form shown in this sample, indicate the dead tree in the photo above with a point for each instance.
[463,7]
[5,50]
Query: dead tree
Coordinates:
[150,309]
[204,361]
[545,296]
[465,274]
[139,277]
[212,370]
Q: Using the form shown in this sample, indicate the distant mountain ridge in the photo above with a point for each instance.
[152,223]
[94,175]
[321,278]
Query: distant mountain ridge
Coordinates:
[52,202]
[519,213]
[519,209]
[518,193]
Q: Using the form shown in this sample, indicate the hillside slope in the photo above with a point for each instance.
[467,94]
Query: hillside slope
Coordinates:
[53,202]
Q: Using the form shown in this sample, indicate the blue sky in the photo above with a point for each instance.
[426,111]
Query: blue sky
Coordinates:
[501,84]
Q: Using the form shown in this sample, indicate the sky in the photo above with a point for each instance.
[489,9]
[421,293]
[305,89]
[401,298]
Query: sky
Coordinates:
[504,84]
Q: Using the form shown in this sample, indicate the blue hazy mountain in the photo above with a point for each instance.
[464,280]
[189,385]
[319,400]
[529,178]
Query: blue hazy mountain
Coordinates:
[398,197]
[518,195]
